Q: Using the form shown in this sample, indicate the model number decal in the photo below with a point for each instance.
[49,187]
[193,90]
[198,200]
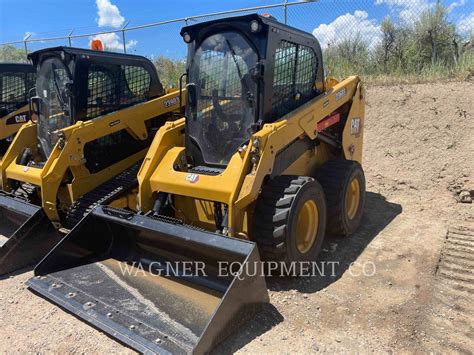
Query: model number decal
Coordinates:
[171,102]
[340,94]
[355,126]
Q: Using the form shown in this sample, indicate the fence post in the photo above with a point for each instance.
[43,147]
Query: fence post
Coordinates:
[69,37]
[123,37]
[26,41]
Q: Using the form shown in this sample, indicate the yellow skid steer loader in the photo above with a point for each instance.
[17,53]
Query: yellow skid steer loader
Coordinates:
[16,81]
[267,156]
[97,114]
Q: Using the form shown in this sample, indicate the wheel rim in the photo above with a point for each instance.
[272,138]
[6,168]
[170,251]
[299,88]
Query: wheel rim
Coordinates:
[353,198]
[307,226]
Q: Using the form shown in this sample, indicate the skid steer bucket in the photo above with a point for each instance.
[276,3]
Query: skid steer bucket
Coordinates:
[154,285]
[26,234]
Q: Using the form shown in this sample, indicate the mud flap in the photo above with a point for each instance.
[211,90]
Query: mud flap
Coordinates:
[156,286]
[26,234]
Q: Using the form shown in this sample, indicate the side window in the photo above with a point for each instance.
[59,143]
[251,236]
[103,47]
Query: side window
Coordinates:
[138,81]
[114,87]
[285,62]
[294,77]
[12,92]
[101,93]
[306,68]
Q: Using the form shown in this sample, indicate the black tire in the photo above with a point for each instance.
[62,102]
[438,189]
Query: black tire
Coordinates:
[335,177]
[276,215]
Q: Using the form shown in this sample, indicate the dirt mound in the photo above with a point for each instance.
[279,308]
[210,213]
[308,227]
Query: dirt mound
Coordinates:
[419,139]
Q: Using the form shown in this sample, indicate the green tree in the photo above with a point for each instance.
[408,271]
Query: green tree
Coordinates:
[387,46]
[391,53]
[348,57]
[428,48]
[434,38]
[12,54]
[169,70]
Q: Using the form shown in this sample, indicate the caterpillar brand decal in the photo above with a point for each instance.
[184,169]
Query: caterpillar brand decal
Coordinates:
[171,102]
[20,118]
[341,93]
[355,126]
[192,178]
[114,123]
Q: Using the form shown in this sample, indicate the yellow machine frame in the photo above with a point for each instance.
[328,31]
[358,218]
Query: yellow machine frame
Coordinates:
[240,183]
[68,154]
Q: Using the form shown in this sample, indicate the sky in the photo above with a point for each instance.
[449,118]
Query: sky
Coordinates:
[329,20]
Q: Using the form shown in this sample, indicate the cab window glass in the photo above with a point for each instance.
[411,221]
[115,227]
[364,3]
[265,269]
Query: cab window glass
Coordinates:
[294,77]
[12,92]
[114,87]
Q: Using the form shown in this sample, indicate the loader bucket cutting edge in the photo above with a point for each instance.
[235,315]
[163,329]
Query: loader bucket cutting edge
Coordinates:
[113,271]
[26,234]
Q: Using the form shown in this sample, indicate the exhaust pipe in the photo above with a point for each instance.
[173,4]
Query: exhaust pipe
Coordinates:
[153,284]
[26,234]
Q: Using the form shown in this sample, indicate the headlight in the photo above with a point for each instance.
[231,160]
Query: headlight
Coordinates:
[186,37]
[254,26]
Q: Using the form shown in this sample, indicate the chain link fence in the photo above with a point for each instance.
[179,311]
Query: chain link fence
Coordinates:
[410,39]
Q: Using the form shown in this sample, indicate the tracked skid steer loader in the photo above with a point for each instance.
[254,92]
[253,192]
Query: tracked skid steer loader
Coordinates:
[97,114]
[265,161]
[16,81]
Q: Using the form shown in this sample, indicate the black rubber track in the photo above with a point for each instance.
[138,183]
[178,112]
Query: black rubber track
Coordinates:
[102,195]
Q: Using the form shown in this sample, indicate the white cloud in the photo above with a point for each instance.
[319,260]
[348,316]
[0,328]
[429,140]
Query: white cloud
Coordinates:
[348,26]
[109,14]
[408,10]
[111,41]
[466,24]
[455,4]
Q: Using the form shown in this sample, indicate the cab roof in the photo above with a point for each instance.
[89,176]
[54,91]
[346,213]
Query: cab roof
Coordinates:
[266,21]
[37,55]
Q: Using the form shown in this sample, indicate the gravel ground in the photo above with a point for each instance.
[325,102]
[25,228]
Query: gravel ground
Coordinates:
[418,159]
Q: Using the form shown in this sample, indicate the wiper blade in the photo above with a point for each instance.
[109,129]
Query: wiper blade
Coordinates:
[249,93]
[235,60]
